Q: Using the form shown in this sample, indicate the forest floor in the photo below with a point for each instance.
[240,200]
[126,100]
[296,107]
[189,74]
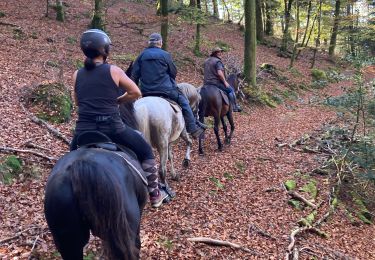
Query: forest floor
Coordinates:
[233,195]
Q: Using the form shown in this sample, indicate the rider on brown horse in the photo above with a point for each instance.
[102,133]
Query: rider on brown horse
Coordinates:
[214,74]
[156,72]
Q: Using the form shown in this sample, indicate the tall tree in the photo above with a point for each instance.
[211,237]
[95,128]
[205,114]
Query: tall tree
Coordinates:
[317,40]
[335,28]
[216,8]
[307,27]
[259,20]
[250,43]
[164,23]
[59,11]
[296,44]
[98,20]
[287,11]
[269,18]
[198,29]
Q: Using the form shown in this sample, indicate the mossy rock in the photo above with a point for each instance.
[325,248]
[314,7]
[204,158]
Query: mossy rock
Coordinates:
[52,102]
[10,167]
[318,75]
[261,97]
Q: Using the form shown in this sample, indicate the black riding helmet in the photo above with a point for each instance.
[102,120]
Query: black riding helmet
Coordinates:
[95,42]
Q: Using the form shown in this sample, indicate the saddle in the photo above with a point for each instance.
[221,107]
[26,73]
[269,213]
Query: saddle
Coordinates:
[222,93]
[96,139]
[176,108]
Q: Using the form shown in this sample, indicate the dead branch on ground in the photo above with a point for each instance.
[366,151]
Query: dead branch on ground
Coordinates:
[43,123]
[216,242]
[260,231]
[299,197]
[14,150]
[17,235]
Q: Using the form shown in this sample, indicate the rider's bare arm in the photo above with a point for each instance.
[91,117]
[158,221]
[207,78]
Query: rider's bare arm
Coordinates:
[222,78]
[74,87]
[132,91]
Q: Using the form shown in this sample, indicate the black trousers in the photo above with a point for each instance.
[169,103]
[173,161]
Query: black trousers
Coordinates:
[119,133]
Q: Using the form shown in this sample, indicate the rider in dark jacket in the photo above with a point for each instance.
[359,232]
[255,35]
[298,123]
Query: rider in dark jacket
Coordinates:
[214,74]
[155,72]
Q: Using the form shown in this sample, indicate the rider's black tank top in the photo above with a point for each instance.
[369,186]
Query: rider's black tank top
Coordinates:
[97,96]
[96,92]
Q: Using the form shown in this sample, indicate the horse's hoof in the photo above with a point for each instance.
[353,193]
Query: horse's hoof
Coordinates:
[201,153]
[220,149]
[186,163]
[227,141]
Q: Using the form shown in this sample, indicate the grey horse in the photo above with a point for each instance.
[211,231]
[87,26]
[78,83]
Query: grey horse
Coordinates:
[162,124]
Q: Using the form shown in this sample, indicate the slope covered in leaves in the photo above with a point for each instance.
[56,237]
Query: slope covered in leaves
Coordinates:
[222,195]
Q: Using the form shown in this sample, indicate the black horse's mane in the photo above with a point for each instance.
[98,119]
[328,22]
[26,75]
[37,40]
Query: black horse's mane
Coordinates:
[128,115]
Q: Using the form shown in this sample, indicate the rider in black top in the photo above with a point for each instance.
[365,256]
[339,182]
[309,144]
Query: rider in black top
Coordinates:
[96,93]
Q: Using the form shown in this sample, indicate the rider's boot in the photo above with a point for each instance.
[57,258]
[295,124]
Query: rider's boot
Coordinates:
[233,101]
[157,196]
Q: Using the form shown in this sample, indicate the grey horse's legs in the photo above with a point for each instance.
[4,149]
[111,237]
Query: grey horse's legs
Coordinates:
[189,142]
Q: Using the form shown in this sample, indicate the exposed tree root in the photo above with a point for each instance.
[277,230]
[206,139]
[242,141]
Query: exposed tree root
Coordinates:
[216,242]
[14,150]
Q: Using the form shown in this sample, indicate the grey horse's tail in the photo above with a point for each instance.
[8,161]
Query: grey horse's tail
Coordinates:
[127,114]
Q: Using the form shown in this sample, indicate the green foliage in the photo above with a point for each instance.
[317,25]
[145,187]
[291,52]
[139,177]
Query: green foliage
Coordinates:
[125,57]
[217,182]
[318,75]
[228,176]
[52,63]
[223,45]
[2,14]
[10,167]
[52,101]
[166,242]
[308,220]
[290,184]
[192,15]
[240,165]
[18,34]
[89,256]
[295,204]
[295,72]
[362,211]
[311,189]
[79,64]
[71,40]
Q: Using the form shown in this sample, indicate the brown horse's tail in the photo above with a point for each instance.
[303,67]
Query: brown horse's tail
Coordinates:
[99,197]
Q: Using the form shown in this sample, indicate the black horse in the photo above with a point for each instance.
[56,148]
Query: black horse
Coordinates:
[216,104]
[95,189]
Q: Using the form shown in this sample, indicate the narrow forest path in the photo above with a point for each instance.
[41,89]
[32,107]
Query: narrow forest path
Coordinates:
[222,195]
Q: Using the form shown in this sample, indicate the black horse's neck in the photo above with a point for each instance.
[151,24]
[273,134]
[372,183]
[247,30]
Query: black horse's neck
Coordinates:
[127,114]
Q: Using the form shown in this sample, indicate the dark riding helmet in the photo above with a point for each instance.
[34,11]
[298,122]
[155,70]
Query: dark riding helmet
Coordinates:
[94,43]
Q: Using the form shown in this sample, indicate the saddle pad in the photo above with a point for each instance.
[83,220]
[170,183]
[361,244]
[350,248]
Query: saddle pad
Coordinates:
[225,97]
[134,166]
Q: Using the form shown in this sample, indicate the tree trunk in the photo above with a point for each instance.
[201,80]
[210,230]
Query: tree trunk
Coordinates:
[59,11]
[216,8]
[296,44]
[307,27]
[250,43]
[335,28]
[259,22]
[198,32]
[98,20]
[192,3]
[287,9]
[225,8]
[311,30]
[317,41]
[269,19]
[351,27]
[164,23]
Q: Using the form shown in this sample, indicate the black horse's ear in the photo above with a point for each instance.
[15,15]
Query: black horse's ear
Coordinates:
[128,71]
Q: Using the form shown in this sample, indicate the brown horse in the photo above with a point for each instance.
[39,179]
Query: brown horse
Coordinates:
[214,104]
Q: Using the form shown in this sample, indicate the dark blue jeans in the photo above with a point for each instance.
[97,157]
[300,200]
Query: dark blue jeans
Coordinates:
[182,101]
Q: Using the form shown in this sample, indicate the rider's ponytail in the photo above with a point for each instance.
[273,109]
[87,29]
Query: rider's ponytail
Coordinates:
[89,63]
